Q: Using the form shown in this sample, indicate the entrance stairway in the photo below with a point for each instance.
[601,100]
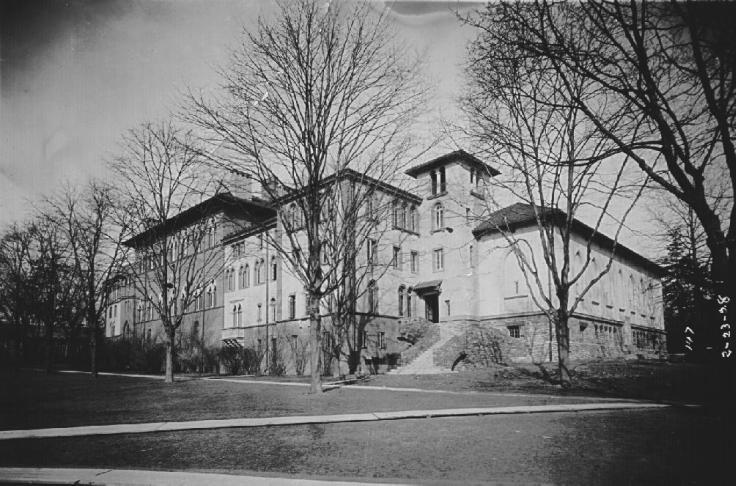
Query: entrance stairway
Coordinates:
[424,363]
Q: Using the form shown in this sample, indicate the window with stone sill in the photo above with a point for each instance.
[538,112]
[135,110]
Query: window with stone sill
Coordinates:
[514,331]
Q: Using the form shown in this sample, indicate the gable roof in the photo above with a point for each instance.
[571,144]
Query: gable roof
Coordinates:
[461,155]
[520,215]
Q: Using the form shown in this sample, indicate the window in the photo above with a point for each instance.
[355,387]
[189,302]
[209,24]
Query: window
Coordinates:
[471,256]
[372,297]
[364,340]
[209,298]
[401,300]
[396,259]
[433,176]
[273,309]
[235,316]
[260,312]
[408,302]
[443,182]
[324,250]
[382,340]
[292,306]
[414,262]
[240,315]
[261,271]
[438,216]
[413,226]
[404,214]
[447,306]
[274,268]
[260,241]
[439,259]
[514,331]
[371,246]
[395,214]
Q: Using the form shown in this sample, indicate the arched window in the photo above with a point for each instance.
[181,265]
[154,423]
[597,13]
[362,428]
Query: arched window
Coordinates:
[246,276]
[274,268]
[260,312]
[262,271]
[209,297]
[272,305]
[235,316]
[439,216]
[240,315]
[256,272]
[214,294]
[231,279]
[401,300]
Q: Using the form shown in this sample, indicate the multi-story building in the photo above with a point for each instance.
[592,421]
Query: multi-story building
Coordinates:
[435,254]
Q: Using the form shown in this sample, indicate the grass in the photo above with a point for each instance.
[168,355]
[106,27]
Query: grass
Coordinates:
[674,446]
[34,400]
[649,380]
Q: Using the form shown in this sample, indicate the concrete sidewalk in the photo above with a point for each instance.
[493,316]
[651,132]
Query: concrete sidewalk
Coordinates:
[17,475]
[314,419]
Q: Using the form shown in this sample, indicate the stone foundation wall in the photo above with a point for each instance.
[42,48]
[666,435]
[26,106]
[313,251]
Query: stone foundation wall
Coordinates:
[490,341]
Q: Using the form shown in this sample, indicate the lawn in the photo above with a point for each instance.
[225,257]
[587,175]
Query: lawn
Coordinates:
[31,399]
[673,446]
[649,380]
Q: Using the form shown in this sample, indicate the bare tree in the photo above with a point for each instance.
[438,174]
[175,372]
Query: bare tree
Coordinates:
[16,289]
[314,93]
[664,76]
[553,160]
[88,219]
[163,193]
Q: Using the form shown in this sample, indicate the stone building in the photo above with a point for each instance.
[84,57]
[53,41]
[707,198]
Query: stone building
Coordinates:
[437,257]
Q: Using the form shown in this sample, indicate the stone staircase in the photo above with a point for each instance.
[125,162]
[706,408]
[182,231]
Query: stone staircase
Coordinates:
[424,363]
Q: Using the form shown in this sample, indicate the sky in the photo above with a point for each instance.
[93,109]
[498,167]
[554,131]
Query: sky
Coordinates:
[76,74]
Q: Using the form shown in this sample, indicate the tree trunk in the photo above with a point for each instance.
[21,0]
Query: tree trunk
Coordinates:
[170,335]
[563,347]
[315,330]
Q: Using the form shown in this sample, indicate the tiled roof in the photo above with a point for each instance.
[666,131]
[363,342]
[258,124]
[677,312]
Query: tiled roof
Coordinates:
[521,215]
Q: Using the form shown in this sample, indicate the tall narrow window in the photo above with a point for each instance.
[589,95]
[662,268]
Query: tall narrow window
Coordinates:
[413,226]
[371,247]
[292,306]
[395,214]
[273,309]
[433,176]
[447,307]
[235,317]
[259,316]
[382,340]
[439,260]
[240,315]
[414,262]
[372,297]
[404,214]
[246,276]
[396,259]
[408,302]
[443,181]
[274,268]
[401,300]
[471,256]
[467,215]
[439,216]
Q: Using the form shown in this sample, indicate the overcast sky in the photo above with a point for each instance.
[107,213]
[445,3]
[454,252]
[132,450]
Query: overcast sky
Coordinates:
[77,74]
